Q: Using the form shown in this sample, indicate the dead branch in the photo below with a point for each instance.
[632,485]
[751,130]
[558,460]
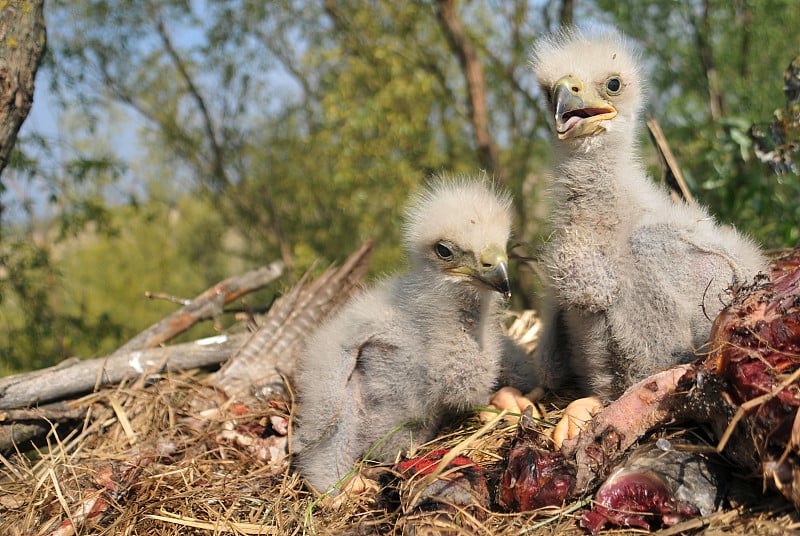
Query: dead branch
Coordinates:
[134,358]
[79,377]
[209,304]
[55,412]
[671,172]
[21,425]
[21,395]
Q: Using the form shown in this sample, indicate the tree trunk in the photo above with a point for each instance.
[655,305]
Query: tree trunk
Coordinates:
[22,44]
[702,29]
[450,22]
[567,12]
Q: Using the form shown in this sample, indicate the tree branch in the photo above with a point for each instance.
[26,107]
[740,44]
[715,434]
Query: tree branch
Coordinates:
[671,171]
[140,353]
[516,85]
[209,304]
[702,31]
[77,377]
[473,72]
[219,178]
[566,13]
[182,143]
[255,361]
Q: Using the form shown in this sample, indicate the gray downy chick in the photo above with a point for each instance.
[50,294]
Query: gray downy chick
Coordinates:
[634,278]
[414,346]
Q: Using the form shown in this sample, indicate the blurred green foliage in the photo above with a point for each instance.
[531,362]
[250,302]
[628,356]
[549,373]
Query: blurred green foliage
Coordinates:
[716,69]
[199,139]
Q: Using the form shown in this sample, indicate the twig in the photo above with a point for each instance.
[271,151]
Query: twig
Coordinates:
[209,304]
[215,526]
[672,173]
[577,505]
[724,518]
[168,297]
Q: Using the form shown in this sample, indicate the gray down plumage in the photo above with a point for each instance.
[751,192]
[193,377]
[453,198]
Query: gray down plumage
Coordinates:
[412,347]
[634,278]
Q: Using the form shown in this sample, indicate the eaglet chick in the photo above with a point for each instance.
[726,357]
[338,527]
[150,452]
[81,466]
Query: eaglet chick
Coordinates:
[413,347]
[634,278]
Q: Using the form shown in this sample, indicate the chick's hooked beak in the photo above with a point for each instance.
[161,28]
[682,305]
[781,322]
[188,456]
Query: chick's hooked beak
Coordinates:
[576,113]
[493,269]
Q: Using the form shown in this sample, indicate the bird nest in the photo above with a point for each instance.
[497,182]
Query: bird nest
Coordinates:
[173,457]
[172,452]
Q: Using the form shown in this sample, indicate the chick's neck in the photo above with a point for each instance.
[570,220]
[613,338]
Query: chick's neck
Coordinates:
[590,182]
[471,309]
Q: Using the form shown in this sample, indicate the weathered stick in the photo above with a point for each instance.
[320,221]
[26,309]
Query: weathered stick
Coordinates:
[79,377]
[74,377]
[56,412]
[672,173]
[209,304]
[21,425]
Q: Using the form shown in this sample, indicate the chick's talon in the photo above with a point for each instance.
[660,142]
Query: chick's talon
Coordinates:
[512,400]
[358,488]
[577,416]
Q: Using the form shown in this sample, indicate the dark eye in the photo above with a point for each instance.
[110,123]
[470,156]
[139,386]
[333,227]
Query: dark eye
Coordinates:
[443,251]
[613,85]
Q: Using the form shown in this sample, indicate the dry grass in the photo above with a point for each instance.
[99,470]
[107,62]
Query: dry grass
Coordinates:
[176,457]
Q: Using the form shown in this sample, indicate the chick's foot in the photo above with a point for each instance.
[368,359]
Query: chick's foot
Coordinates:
[512,400]
[577,416]
[358,488]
